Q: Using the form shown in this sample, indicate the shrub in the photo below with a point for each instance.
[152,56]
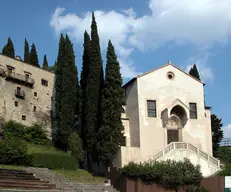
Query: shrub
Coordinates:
[35,134]
[14,129]
[75,146]
[167,174]
[54,161]
[14,152]
[226,170]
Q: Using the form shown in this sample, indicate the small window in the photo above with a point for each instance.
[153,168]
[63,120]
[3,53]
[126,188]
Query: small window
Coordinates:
[16,103]
[35,94]
[34,109]
[24,117]
[193,110]
[44,82]
[151,108]
[170,75]
[27,76]
[123,142]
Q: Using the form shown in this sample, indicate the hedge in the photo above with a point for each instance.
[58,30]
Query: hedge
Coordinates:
[54,161]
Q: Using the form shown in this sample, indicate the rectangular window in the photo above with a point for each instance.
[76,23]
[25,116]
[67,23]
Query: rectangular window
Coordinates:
[24,117]
[193,110]
[34,108]
[151,108]
[16,103]
[35,94]
[44,82]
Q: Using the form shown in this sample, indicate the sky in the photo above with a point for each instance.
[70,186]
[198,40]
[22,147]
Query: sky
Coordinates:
[146,35]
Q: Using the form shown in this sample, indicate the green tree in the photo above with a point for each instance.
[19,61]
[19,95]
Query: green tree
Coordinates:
[8,49]
[52,68]
[93,92]
[194,72]
[217,132]
[69,94]
[26,52]
[33,56]
[83,83]
[75,146]
[45,63]
[110,134]
[224,154]
[58,89]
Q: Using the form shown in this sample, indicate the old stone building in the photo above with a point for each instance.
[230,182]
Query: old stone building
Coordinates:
[165,117]
[26,92]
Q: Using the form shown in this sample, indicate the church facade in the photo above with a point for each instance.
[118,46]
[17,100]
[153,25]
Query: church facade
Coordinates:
[165,117]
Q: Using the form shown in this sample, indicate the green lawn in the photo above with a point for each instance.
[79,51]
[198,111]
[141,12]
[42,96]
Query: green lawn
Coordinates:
[81,176]
[76,175]
[11,167]
[41,149]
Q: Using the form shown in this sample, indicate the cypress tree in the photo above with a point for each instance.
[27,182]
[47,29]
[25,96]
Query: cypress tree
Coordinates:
[26,52]
[83,83]
[110,134]
[58,89]
[45,63]
[93,92]
[69,92]
[33,56]
[194,72]
[8,49]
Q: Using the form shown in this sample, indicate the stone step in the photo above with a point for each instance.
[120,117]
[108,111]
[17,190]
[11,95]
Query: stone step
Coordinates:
[16,172]
[18,178]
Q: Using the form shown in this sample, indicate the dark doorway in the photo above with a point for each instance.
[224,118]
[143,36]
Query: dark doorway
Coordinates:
[173,135]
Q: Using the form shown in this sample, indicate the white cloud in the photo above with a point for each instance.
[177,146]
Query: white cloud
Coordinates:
[206,73]
[197,22]
[227,131]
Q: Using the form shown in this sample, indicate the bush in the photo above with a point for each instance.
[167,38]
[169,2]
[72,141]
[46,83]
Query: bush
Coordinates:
[75,146]
[54,161]
[226,171]
[35,134]
[14,152]
[14,129]
[167,174]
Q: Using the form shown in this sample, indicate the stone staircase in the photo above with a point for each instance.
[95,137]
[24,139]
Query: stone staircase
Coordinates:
[19,179]
[64,184]
[33,179]
[180,150]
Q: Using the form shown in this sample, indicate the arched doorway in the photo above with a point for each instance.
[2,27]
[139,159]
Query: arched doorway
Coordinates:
[177,120]
[172,130]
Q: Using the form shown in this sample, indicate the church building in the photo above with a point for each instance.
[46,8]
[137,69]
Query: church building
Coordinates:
[165,117]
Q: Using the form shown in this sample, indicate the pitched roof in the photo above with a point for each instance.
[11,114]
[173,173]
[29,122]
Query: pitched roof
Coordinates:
[133,79]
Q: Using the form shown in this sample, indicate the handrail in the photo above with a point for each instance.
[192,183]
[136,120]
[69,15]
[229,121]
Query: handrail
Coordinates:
[185,146]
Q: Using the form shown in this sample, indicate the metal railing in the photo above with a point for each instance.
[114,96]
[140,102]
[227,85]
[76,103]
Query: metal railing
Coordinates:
[20,77]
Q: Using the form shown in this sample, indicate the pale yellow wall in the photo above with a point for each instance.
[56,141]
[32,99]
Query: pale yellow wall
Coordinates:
[132,113]
[25,106]
[157,86]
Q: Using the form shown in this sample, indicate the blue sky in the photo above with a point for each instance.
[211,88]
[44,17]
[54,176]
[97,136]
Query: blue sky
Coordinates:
[146,34]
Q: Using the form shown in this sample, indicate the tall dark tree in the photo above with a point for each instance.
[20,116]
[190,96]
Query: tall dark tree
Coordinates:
[26,52]
[69,94]
[217,132]
[93,92]
[8,49]
[58,89]
[110,135]
[33,56]
[194,72]
[45,63]
[83,83]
